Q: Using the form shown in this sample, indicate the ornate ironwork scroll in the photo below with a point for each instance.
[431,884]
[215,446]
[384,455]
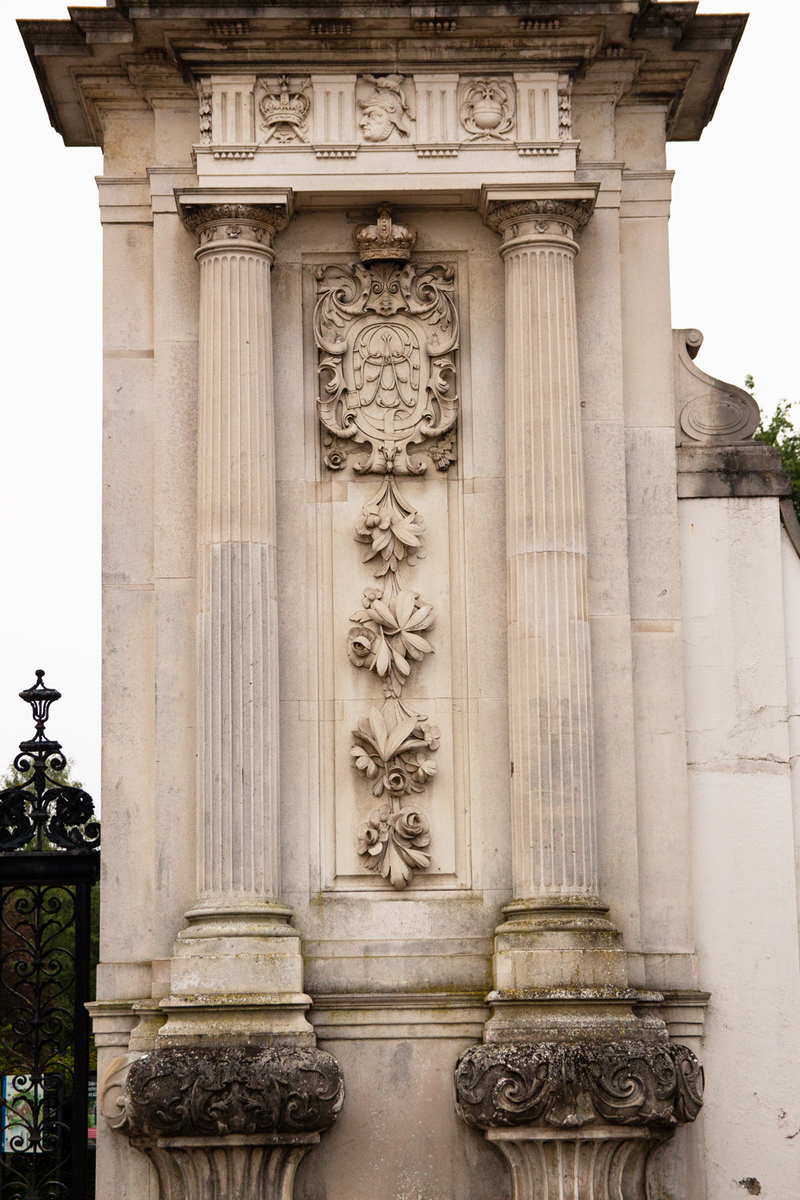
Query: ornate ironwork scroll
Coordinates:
[386,331]
[48,862]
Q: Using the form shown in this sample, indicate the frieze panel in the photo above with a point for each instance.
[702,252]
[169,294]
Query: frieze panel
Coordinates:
[432,114]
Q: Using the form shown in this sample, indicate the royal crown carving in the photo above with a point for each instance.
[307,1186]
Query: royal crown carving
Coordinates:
[386,337]
[284,111]
[384,241]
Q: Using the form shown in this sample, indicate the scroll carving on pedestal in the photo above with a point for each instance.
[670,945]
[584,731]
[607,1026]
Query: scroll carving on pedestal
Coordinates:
[386,332]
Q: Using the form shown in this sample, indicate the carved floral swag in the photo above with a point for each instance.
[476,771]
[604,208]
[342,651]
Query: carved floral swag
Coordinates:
[386,336]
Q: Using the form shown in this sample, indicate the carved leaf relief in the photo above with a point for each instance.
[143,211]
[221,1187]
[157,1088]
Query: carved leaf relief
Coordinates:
[386,336]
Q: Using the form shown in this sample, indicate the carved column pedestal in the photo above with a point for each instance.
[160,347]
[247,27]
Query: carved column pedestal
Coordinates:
[571,1084]
[578,1121]
[234,1091]
[227,1124]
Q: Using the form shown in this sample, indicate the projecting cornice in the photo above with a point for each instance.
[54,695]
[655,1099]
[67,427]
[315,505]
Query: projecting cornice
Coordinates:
[667,53]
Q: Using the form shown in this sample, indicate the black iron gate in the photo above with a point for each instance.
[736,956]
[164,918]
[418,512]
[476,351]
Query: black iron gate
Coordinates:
[49,863]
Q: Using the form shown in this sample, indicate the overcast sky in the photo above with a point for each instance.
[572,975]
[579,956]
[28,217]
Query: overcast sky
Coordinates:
[734,275]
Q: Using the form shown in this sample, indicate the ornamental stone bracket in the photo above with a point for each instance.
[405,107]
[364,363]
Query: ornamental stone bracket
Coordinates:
[714,427]
[230,1121]
[578,1121]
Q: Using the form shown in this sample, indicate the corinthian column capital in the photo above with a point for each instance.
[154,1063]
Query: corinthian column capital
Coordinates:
[539,219]
[231,226]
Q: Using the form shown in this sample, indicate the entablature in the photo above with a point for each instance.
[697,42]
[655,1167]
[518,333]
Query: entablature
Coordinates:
[665,53]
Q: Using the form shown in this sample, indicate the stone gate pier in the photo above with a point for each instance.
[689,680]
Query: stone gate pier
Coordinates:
[451,616]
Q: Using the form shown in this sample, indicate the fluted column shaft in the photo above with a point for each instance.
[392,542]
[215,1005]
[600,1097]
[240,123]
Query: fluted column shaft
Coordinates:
[550,704]
[237,636]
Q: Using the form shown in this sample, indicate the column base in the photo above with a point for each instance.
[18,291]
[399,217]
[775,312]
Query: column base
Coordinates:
[600,1163]
[236,976]
[559,941]
[578,1120]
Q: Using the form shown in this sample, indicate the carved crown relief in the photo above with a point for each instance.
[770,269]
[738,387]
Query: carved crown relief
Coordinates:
[284,111]
[386,332]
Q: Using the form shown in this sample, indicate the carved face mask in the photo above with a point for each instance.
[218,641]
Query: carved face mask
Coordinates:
[376,123]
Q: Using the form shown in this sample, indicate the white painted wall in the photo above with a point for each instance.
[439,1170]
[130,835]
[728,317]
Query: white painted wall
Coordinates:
[737,579]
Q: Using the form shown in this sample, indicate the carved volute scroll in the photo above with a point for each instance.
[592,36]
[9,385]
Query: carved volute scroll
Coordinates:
[386,332]
[708,412]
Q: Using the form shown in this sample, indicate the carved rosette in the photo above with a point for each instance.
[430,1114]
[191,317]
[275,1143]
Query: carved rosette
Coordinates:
[386,337]
[580,1120]
[240,223]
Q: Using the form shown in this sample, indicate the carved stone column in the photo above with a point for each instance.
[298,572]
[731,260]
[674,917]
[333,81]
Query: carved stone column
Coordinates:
[556,933]
[571,1084]
[238,941]
[232,1091]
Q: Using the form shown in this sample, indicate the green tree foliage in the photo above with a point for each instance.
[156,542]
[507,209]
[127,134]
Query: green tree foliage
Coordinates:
[781,433]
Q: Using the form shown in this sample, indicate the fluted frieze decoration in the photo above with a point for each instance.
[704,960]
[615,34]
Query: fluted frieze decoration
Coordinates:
[573,1085]
[386,336]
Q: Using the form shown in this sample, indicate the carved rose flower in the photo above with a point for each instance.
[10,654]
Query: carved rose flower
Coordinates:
[412,826]
[361,646]
[397,782]
[373,833]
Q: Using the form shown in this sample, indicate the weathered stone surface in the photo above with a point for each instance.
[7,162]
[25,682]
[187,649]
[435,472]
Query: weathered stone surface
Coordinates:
[569,1086]
[239,1090]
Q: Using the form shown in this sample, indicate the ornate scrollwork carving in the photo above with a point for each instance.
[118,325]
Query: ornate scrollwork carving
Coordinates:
[386,336]
[653,1084]
[237,1090]
[708,411]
